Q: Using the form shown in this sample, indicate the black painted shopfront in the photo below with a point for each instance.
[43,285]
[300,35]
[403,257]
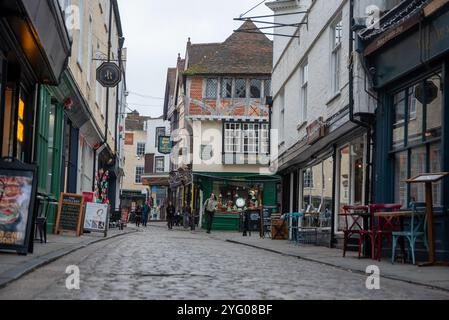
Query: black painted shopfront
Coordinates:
[411,75]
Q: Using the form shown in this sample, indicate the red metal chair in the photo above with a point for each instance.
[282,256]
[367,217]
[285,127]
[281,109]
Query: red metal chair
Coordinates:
[384,226]
[354,225]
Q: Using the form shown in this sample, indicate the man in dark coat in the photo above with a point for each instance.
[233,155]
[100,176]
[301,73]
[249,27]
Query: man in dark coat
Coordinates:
[170,215]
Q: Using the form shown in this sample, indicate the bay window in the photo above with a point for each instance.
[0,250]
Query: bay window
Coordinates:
[247,138]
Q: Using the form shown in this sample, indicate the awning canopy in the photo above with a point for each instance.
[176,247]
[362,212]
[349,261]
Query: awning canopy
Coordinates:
[238,177]
[39,27]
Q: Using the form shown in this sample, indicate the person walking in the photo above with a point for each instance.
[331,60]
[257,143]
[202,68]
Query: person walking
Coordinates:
[170,215]
[210,207]
[138,216]
[145,211]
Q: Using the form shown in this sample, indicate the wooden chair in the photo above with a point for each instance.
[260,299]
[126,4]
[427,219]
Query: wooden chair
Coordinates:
[354,226]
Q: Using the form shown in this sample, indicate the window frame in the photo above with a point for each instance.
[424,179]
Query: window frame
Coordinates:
[136,174]
[336,54]
[304,91]
[158,135]
[408,148]
[236,96]
[139,148]
[156,160]
[207,88]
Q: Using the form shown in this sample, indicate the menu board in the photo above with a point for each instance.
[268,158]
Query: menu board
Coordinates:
[17,194]
[70,213]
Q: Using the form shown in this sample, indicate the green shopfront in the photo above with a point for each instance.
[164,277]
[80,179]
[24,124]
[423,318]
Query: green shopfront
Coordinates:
[257,190]
[411,76]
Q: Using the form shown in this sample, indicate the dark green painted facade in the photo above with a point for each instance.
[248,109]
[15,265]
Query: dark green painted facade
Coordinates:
[232,222]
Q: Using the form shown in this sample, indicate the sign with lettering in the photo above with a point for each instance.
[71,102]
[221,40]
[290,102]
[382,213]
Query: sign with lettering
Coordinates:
[70,213]
[109,75]
[315,131]
[17,197]
[96,217]
[165,145]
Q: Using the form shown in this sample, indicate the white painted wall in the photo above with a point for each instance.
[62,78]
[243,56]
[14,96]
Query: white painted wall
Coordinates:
[151,146]
[210,133]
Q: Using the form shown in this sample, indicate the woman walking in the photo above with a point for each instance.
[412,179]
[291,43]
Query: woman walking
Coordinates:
[210,207]
[138,216]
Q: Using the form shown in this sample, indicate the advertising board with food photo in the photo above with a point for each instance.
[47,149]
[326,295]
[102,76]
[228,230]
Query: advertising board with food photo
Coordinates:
[16,191]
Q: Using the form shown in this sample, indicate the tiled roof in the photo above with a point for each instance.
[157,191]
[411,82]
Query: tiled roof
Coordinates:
[241,53]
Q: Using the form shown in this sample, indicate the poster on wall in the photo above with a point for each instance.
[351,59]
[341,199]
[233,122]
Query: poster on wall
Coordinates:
[96,218]
[17,198]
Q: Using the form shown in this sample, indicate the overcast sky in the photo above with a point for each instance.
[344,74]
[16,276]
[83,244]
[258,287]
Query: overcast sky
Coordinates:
[156,31]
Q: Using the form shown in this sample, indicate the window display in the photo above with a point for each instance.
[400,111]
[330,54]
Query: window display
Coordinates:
[237,196]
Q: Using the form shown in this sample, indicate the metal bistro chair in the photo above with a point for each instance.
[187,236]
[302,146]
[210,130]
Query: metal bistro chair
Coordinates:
[416,229]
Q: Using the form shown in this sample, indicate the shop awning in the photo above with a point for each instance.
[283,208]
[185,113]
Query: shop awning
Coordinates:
[40,29]
[238,177]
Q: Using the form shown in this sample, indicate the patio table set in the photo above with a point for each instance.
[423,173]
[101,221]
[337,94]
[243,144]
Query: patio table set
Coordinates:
[372,225]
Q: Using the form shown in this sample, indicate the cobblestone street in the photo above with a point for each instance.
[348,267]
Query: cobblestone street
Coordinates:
[158,264]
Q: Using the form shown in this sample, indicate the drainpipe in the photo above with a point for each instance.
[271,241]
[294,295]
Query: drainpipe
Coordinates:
[351,105]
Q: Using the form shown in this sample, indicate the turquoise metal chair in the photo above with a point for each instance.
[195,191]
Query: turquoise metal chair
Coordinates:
[415,230]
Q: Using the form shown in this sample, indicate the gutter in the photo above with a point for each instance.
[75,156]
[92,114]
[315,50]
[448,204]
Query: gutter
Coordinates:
[367,196]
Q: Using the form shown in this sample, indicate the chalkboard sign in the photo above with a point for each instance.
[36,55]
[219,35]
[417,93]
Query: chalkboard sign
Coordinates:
[70,213]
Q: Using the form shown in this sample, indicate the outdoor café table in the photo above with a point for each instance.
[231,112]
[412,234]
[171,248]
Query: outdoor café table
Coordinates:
[387,222]
[396,216]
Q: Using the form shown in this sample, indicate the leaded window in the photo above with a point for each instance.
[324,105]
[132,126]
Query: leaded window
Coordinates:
[240,88]
[211,88]
[255,88]
[226,88]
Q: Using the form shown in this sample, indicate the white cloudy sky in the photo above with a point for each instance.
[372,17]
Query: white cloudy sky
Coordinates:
[156,31]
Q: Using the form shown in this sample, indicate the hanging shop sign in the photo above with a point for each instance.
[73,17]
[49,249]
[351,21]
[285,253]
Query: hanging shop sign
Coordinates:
[316,131]
[165,145]
[70,213]
[96,218]
[109,74]
[17,198]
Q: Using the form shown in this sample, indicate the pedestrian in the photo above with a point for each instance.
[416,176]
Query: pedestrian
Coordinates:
[170,215]
[178,218]
[210,207]
[145,211]
[186,214]
[138,216]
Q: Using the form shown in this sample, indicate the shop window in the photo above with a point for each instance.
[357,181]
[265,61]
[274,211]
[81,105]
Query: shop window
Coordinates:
[401,162]
[351,175]
[51,147]
[317,184]
[211,88]
[415,114]
[228,192]
[416,138]
[399,120]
